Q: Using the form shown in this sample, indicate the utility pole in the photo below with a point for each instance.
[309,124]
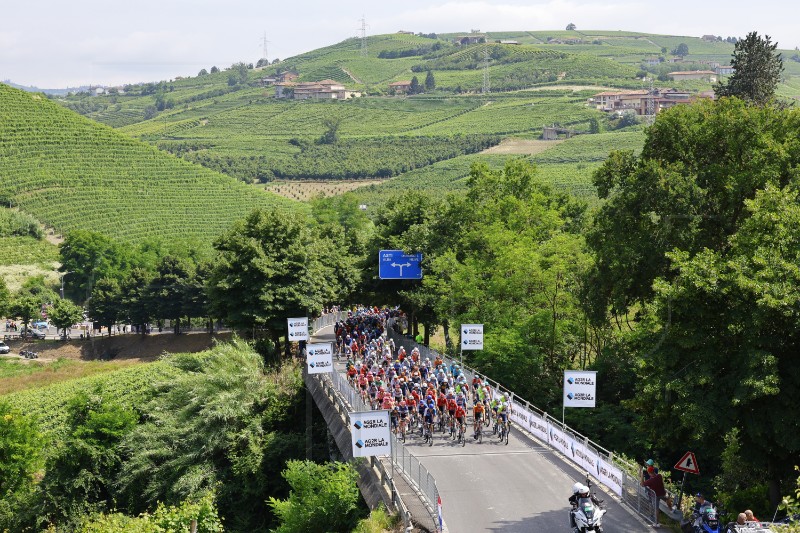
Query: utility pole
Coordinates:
[363,30]
[264,43]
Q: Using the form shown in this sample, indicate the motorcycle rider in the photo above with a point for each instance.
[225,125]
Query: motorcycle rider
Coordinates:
[701,505]
[579,490]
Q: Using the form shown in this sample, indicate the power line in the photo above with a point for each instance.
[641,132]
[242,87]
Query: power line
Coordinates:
[264,43]
[363,30]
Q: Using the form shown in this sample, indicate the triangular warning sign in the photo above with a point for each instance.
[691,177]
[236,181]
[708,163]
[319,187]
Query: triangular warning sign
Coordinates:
[688,463]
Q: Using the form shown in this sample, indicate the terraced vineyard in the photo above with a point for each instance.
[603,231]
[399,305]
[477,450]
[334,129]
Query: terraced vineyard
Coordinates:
[70,172]
[129,386]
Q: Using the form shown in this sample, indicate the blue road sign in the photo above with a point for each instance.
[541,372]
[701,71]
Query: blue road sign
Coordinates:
[395,264]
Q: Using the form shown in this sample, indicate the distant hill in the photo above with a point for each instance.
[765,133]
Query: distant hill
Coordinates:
[53,92]
[70,172]
[535,79]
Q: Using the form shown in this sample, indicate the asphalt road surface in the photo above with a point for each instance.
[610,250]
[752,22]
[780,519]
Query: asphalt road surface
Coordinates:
[521,487]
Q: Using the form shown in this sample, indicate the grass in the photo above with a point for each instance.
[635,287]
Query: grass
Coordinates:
[17,375]
[26,251]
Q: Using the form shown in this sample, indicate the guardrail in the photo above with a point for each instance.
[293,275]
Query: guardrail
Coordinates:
[609,469]
[402,460]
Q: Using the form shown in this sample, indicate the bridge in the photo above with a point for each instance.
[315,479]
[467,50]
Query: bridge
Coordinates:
[521,486]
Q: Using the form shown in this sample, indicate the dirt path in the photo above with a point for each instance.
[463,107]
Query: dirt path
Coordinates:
[512,146]
[120,347]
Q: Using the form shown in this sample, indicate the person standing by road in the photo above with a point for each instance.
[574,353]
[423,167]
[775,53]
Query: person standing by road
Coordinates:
[656,484]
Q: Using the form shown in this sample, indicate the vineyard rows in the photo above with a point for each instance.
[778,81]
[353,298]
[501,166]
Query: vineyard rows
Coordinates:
[72,173]
[129,386]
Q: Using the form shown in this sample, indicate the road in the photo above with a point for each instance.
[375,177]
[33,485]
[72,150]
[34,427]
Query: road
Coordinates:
[514,488]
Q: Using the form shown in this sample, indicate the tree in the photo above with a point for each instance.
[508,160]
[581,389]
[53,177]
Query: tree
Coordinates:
[137,306]
[89,256]
[430,82]
[331,135]
[415,87]
[757,70]
[5,297]
[168,289]
[678,194]
[664,50]
[268,270]
[214,70]
[681,50]
[323,498]
[27,308]
[150,112]
[20,461]
[105,304]
[203,72]
[64,314]
[571,27]
[82,468]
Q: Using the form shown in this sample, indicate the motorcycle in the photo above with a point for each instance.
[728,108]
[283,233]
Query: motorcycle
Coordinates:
[586,515]
[705,521]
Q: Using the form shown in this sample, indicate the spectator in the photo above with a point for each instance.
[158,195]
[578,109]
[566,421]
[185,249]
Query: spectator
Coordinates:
[748,514]
[646,469]
[741,520]
[656,483]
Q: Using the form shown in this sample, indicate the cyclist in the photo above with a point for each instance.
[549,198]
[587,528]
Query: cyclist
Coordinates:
[451,408]
[430,418]
[402,410]
[461,416]
[477,412]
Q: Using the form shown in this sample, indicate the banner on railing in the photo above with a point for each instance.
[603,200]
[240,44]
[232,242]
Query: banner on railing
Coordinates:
[298,329]
[371,433]
[320,358]
[610,476]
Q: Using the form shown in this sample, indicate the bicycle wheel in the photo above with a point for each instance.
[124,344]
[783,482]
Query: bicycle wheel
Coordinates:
[508,431]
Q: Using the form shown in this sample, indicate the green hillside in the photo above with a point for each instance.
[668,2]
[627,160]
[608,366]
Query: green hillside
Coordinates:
[70,172]
[536,79]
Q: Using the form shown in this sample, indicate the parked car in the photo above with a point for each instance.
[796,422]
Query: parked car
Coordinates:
[4,349]
[34,333]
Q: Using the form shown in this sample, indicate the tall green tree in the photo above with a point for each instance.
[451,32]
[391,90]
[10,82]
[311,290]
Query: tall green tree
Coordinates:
[430,81]
[20,461]
[168,289]
[681,50]
[5,297]
[105,306]
[26,308]
[415,86]
[757,70]
[137,305]
[686,191]
[87,256]
[269,268]
[64,314]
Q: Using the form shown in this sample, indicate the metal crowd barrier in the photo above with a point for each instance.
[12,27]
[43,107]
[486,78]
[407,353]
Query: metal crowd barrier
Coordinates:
[402,460]
[629,489]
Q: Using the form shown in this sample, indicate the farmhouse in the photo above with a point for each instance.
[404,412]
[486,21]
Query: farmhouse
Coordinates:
[652,61]
[325,89]
[643,102]
[473,38]
[724,70]
[403,87]
[707,75]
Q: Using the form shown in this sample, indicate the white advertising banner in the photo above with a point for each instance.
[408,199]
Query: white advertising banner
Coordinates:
[538,427]
[472,336]
[371,433]
[580,388]
[319,358]
[298,329]
[519,415]
[610,476]
[559,440]
[583,457]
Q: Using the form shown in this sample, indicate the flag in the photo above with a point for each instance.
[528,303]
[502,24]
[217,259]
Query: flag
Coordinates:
[439,507]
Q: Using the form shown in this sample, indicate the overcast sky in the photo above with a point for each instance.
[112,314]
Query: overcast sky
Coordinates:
[54,44]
